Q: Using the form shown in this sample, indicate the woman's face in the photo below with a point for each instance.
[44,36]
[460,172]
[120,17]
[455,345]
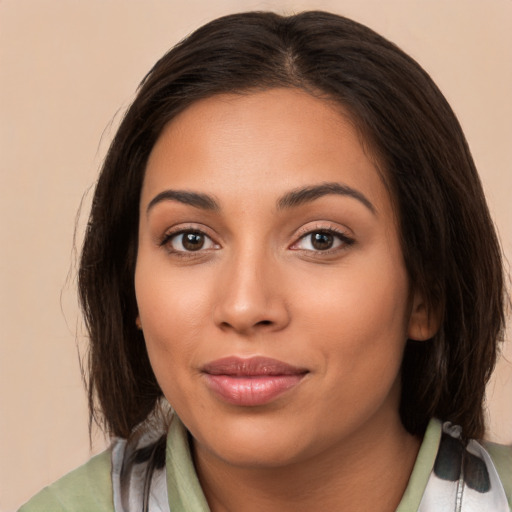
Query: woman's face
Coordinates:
[270,282]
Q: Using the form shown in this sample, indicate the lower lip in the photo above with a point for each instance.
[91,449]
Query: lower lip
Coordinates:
[251,391]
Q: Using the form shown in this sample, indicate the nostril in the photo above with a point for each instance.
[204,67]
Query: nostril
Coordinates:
[262,323]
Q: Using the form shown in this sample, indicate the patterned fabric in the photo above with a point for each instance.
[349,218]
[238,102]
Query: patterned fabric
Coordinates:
[463,478]
[138,470]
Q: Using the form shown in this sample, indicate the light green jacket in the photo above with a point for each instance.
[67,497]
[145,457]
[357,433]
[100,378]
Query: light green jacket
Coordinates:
[89,488]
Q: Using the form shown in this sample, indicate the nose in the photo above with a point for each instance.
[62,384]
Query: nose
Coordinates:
[251,297]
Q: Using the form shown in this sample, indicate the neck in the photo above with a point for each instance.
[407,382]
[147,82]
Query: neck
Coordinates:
[368,471]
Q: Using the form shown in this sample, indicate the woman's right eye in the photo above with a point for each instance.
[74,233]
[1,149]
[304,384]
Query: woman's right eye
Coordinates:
[189,241]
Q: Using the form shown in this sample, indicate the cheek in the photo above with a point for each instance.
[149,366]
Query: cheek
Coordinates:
[359,316]
[357,302]
[173,311]
[169,300]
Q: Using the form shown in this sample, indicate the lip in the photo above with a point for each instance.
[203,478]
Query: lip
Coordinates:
[251,381]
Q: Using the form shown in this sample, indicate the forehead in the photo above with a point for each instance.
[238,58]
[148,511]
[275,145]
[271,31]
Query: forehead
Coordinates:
[257,142]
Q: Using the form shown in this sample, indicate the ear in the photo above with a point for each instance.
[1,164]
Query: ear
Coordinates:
[423,321]
[137,322]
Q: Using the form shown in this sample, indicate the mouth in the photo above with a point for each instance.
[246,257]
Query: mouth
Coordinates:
[251,382]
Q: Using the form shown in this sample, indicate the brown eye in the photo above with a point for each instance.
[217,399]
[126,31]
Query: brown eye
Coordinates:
[189,241]
[193,241]
[322,241]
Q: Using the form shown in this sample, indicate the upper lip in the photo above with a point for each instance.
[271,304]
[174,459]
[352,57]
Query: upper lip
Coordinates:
[251,367]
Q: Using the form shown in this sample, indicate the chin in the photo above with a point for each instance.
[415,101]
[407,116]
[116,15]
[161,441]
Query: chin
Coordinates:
[250,443]
[262,455]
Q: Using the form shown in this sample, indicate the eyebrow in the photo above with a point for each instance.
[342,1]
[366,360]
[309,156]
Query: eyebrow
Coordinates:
[202,201]
[304,195]
[291,199]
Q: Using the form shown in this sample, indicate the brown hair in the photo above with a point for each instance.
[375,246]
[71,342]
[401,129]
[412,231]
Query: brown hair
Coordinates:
[448,239]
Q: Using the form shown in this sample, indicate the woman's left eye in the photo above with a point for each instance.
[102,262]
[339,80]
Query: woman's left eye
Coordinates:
[189,241]
[322,240]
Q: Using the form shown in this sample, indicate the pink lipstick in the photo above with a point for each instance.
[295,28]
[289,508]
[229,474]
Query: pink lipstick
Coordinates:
[251,382]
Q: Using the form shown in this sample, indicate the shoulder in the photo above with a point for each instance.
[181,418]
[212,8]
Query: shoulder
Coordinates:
[466,474]
[86,488]
[502,459]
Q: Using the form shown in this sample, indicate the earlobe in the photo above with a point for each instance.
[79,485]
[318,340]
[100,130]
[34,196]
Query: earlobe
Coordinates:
[137,323]
[423,321]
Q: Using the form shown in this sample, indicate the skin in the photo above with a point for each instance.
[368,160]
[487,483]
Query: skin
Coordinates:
[259,287]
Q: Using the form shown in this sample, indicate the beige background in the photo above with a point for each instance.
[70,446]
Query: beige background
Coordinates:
[66,70]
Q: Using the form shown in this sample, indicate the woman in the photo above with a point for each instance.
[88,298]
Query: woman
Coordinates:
[289,244]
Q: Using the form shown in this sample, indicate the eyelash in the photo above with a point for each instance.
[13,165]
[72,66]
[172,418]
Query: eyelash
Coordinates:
[168,238]
[342,237]
[345,240]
